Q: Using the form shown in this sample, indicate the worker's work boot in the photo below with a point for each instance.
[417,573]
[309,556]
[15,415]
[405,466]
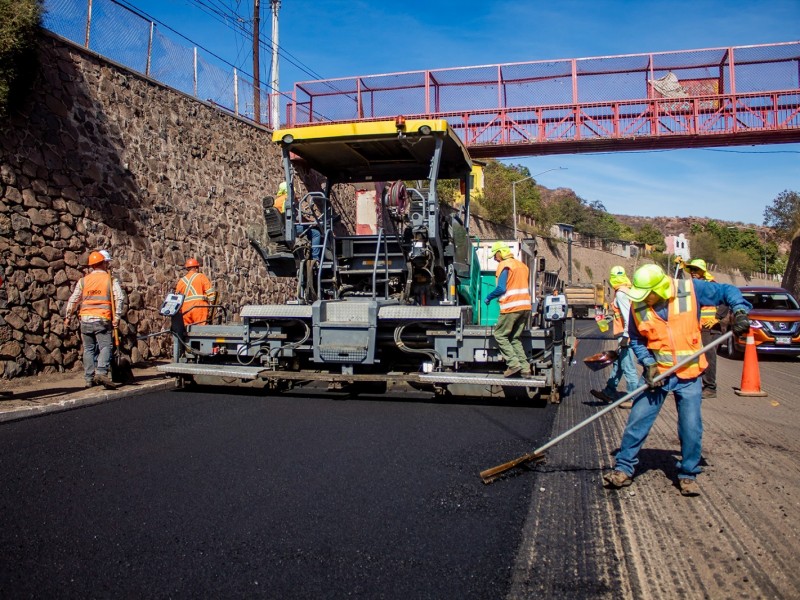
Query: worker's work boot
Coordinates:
[689,487]
[709,393]
[105,381]
[602,396]
[527,375]
[626,404]
[88,383]
[617,479]
[512,372]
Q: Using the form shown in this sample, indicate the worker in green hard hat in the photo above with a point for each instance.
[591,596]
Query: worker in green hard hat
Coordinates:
[665,328]
[710,326]
[514,296]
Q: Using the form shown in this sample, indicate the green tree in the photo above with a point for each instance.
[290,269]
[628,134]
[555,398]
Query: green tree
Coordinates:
[705,245]
[498,202]
[19,24]
[648,234]
[783,215]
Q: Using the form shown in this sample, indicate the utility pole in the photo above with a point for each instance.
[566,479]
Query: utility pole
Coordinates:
[275,84]
[256,67]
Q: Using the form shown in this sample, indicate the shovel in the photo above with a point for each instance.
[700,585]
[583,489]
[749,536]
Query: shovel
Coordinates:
[489,475]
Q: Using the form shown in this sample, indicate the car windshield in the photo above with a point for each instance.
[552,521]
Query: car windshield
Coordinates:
[771,300]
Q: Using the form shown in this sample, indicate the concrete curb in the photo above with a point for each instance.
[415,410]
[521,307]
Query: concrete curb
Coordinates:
[95,398]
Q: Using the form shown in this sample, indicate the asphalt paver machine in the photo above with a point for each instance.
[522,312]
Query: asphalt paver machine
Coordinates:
[399,305]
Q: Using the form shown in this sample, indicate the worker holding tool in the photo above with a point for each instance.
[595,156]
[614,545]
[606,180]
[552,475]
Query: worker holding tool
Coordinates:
[198,294]
[665,327]
[512,289]
[100,302]
[625,365]
[710,327]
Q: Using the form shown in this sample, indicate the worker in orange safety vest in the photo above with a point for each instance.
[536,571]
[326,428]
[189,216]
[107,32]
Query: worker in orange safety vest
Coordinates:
[710,327]
[198,294]
[100,301]
[665,329]
[512,289]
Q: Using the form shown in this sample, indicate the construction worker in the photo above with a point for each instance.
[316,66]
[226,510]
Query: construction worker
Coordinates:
[310,231]
[625,365]
[198,294]
[515,307]
[100,302]
[710,327]
[664,329]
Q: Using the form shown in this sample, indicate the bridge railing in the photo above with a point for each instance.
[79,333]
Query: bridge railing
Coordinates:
[659,94]
[121,35]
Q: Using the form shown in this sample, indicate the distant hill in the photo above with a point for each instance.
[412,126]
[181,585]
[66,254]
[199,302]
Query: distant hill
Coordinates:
[678,225]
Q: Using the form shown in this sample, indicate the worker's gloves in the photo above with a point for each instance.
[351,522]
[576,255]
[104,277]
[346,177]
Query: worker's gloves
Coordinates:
[650,374]
[741,324]
[624,341]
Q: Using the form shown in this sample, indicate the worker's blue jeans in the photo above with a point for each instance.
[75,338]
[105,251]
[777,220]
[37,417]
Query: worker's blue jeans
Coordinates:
[98,342]
[688,399]
[624,366]
[314,236]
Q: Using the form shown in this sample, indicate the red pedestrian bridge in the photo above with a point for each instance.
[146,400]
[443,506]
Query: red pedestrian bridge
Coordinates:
[739,95]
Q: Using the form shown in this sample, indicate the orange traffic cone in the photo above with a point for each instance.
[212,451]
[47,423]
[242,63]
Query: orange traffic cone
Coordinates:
[751,379]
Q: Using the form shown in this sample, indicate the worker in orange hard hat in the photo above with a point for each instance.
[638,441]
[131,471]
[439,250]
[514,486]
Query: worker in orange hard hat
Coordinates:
[198,294]
[100,301]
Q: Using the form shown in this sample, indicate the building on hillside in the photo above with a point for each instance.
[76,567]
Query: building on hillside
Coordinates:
[678,245]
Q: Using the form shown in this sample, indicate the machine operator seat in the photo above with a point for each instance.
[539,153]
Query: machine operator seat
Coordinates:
[276,254]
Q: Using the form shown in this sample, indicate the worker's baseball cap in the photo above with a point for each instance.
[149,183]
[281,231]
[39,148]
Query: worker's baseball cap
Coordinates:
[649,278]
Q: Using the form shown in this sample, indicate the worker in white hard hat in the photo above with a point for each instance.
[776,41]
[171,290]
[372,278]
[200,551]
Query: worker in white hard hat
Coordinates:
[625,365]
[515,308]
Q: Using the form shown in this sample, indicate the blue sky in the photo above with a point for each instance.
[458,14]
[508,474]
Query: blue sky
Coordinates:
[337,38]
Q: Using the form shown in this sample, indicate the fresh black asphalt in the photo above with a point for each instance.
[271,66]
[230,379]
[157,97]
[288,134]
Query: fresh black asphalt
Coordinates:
[212,494]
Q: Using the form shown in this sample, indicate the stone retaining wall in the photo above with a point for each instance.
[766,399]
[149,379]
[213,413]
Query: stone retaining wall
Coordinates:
[105,158]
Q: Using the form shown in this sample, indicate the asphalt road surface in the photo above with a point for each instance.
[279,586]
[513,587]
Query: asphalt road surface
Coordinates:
[218,495]
[187,495]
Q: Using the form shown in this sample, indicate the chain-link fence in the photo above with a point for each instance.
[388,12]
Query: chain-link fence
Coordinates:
[129,39]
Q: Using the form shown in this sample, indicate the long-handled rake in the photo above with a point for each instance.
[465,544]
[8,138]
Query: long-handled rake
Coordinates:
[489,475]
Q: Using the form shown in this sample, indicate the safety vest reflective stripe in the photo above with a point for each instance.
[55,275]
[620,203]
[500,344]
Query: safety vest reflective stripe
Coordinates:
[189,293]
[517,296]
[619,323]
[678,336]
[708,317]
[186,286]
[96,295]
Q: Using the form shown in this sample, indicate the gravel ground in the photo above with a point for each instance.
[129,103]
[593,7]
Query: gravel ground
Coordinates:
[739,539]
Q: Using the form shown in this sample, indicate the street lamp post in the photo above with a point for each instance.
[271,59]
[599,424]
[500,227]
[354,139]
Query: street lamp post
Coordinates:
[514,192]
